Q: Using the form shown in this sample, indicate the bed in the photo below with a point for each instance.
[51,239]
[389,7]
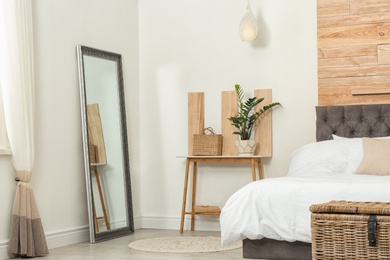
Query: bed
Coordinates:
[272,216]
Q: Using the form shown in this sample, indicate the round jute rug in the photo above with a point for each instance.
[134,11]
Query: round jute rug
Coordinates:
[182,245]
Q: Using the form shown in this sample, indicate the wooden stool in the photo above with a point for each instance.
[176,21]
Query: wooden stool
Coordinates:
[99,186]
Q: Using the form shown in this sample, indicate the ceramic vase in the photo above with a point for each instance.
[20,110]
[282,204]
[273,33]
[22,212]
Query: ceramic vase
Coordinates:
[246,147]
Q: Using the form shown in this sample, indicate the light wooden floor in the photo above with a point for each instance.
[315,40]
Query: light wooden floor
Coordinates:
[118,249]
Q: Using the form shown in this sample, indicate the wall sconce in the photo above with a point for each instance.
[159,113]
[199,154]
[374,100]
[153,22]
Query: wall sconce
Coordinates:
[248,26]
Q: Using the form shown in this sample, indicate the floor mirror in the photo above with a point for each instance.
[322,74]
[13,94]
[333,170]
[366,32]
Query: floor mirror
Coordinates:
[105,145]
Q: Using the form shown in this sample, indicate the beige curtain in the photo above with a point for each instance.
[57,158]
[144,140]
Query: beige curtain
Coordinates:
[27,237]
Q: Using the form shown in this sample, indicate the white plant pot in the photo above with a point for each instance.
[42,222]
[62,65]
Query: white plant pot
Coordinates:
[246,147]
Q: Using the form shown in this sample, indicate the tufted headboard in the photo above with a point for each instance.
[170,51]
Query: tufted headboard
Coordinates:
[353,121]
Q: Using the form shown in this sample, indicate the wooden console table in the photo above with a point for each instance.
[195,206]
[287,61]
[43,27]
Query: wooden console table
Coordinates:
[211,159]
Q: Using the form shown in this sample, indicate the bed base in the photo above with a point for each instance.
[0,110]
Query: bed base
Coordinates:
[272,249]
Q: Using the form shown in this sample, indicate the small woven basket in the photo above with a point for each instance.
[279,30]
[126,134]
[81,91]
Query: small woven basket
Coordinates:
[207,144]
[340,230]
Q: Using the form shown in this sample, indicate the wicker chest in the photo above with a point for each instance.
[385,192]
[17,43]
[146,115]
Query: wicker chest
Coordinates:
[350,230]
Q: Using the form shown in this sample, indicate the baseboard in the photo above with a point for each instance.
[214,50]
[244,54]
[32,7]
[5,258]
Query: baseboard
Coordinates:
[68,237]
[78,235]
[202,223]
[137,223]
[3,251]
[57,239]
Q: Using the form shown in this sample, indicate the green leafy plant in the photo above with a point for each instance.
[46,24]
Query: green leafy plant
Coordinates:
[246,118]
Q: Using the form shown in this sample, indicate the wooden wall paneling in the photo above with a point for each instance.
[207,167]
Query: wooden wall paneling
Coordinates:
[343,95]
[353,35]
[348,51]
[332,7]
[195,117]
[384,54]
[263,131]
[348,61]
[331,3]
[334,95]
[333,10]
[353,81]
[369,6]
[95,133]
[354,71]
[228,109]
[347,20]
[353,52]
[355,92]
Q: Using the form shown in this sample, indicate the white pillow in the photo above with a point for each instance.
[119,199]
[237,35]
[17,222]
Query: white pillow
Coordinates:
[336,137]
[331,156]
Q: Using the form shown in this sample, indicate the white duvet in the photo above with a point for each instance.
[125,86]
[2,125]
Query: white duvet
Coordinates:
[278,208]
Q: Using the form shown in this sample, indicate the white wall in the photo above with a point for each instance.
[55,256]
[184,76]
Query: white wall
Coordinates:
[188,46]
[58,176]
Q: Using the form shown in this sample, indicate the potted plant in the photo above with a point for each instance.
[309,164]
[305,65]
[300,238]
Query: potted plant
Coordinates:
[246,119]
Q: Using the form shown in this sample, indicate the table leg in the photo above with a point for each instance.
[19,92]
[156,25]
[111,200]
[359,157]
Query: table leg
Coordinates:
[253,169]
[193,196]
[183,206]
[260,166]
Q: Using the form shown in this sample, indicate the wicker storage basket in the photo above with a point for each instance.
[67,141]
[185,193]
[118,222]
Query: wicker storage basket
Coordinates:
[207,144]
[340,230]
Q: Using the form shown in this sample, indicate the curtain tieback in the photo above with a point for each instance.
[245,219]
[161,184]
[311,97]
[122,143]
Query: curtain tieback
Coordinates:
[23,176]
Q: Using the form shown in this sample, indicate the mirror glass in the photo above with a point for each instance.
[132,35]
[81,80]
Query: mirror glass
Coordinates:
[104,131]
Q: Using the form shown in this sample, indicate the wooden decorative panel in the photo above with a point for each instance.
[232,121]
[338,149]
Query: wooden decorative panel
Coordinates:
[195,117]
[95,133]
[263,131]
[228,109]
[353,51]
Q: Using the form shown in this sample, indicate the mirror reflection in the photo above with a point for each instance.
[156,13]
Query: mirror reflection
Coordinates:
[105,143]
